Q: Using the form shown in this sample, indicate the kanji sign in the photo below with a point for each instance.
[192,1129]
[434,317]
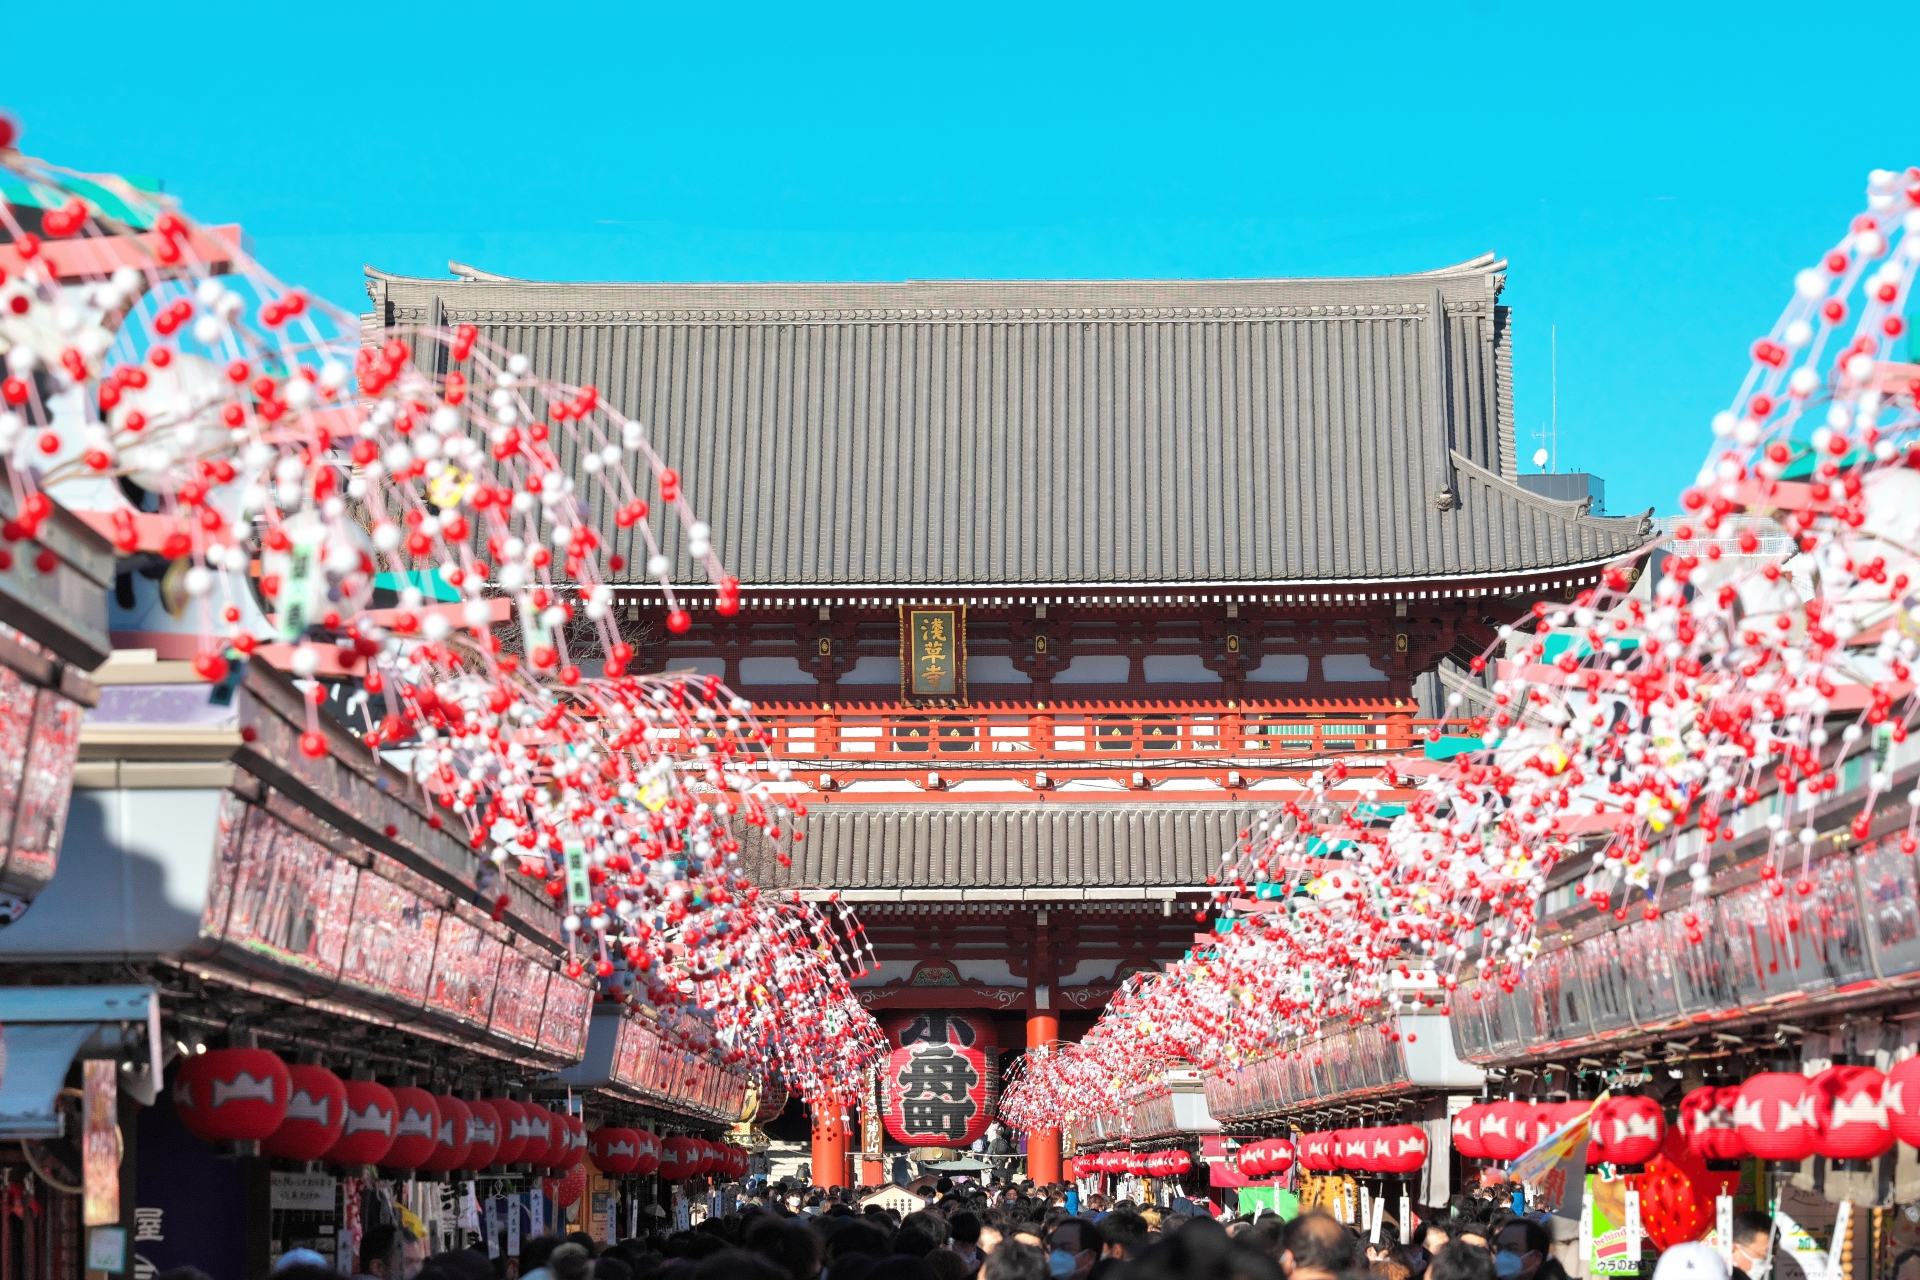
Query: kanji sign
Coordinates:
[940,1094]
[933,655]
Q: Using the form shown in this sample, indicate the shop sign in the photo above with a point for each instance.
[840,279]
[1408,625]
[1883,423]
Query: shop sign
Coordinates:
[301,1192]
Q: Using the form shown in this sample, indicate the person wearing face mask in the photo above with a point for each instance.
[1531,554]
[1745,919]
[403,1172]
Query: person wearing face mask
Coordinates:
[1074,1247]
[1521,1247]
[1753,1252]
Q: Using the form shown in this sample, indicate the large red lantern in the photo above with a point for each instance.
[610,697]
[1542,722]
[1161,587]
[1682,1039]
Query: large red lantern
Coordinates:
[451,1143]
[615,1151]
[1625,1131]
[1179,1163]
[483,1136]
[678,1155]
[1278,1159]
[1777,1114]
[1467,1138]
[543,1136]
[1853,1111]
[572,1142]
[1316,1152]
[1901,1095]
[941,1094]
[1706,1120]
[1251,1160]
[1503,1130]
[232,1095]
[316,1112]
[416,1129]
[368,1132]
[514,1132]
[1405,1150]
[648,1157]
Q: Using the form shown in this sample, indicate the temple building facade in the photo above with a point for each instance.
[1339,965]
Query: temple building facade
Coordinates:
[1048,587]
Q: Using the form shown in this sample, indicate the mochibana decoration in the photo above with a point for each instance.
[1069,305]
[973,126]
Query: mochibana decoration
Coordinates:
[1777,645]
[297,461]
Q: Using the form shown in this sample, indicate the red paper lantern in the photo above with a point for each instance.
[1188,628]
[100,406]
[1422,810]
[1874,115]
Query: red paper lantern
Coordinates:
[1279,1157]
[1777,1114]
[1562,1114]
[544,1136]
[677,1157]
[316,1112]
[1625,1131]
[1853,1113]
[1706,1121]
[416,1130]
[615,1151]
[451,1144]
[1253,1159]
[648,1156]
[1179,1164]
[1467,1138]
[941,1094]
[232,1095]
[368,1132]
[1316,1152]
[1503,1133]
[1901,1095]
[1405,1150]
[483,1136]
[573,1142]
[514,1131]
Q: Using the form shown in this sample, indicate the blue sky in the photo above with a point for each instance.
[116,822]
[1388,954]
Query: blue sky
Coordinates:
[1654,173]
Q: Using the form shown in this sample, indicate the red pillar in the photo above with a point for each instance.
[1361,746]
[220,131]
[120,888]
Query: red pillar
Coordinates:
[1043,1145]
[829,1145]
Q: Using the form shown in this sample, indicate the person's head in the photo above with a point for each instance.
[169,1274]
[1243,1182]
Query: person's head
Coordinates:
[964,1226]
[1126,1233]
[947,1265]
[383,1253]
[1690,1261]
[585,1241]
[608,1267]
[1753,1242]
[1075,1244]
[788,1245]
[1433,1236]
[1029,1233]
[570,1262]
[1459,1260]
[735,1264]
[914,1241]
[1317,1247]
[1522,1247]
[1015,1261]
[1477,1232]
[857,1235]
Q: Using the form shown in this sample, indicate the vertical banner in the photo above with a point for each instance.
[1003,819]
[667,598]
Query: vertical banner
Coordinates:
[100,1147]
[933,656]
[873,1129]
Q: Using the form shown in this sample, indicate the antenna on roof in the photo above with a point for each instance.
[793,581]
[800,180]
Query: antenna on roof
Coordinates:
[1547,457]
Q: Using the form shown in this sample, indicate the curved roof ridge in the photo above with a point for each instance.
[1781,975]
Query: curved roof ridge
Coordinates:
[1553,507]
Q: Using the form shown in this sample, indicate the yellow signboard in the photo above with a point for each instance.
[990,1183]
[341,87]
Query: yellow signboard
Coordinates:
[933,655]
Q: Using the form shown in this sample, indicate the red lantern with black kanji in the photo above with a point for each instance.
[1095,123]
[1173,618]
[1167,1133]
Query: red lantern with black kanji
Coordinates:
[416,1129]
[1777,1114]
[615,1151]
[232,1095]
[648,1157]
[368,1132]
[1406,1150]
[451,1142]
[483,1136]
[514,1132]
[316,1112]
[941,1095]
[1853,1114]
[1901,1096]
[1467,1138]
[1625,1131]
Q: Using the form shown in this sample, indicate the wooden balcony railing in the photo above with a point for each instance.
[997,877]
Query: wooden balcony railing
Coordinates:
[1094,734]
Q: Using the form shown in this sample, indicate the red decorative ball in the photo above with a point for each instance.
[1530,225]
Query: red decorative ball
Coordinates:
[1854,1124]
[452,1143]
[232,1095]
[615,1151]
[369,1130]
[416,1130]
[316,1112]
[483,1136]
[1777,1114]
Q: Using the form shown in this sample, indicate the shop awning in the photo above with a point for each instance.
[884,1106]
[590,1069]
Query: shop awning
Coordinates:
[45,1028]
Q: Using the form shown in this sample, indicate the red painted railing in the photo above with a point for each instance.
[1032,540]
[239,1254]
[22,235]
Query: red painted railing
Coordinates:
[1093,734]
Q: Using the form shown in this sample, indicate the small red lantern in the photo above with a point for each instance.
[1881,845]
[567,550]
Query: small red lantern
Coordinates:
[416,1129]
[1467,1138]
[1405,1150]
[483,1136]
[1853,1112]
[573,1142]
[615,1151]
[1278,1159]
[1901,1095]
[451,1143]
[1503,1129]
[232,1095]
[1777,1114]
[1179,1163]
[648,1156]
[514,1132]
[544,1136]
[677,1157]
[316,1112]
[368,1132]
[1706,1118]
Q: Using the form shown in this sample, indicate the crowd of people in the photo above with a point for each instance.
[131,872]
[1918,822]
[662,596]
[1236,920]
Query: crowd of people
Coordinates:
[1028,1233]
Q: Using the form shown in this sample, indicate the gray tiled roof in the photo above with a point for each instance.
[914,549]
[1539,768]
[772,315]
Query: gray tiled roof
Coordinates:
[1058,433]
[867,846]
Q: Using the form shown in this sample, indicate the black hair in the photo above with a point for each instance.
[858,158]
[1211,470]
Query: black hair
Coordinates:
[1458,1260]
